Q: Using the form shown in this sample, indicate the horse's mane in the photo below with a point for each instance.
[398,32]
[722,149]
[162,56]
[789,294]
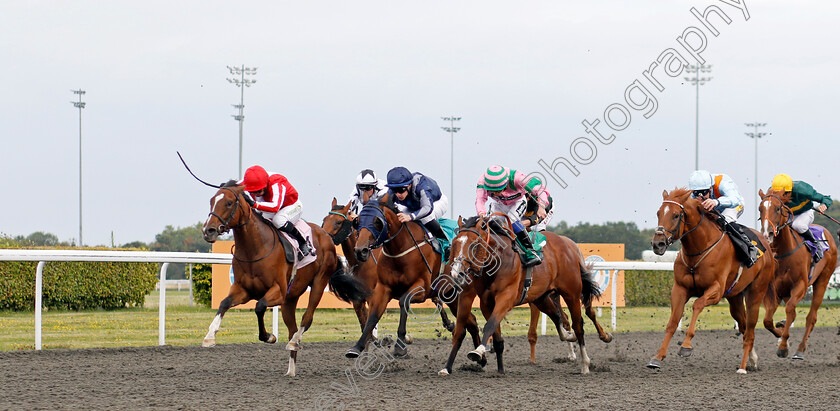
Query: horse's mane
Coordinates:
[230,183]
[679,194]
[387,202]
[470,222]
[784,195]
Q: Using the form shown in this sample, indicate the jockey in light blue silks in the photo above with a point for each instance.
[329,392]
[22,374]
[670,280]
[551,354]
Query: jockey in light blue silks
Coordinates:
[419,199]
[719,192]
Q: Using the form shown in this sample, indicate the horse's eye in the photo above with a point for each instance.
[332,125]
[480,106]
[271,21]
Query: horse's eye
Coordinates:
[674,217]
[230,203]
[377,224]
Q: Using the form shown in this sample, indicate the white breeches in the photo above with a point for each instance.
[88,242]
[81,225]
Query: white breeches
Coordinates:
[801,222]
[732,214]
[290,213]
[514,211]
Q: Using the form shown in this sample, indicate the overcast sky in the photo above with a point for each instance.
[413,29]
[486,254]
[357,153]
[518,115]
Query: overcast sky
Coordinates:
[343,86]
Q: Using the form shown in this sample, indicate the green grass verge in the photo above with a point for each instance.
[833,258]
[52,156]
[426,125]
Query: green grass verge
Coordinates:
[186,325]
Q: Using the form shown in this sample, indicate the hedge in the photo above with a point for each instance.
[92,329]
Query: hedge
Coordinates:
[202,283]
[76,285]
[648,288]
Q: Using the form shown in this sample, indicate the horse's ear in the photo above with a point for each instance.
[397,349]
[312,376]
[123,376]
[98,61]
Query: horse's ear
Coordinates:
[460,221]
[761,193]
[664,194]
[334,203]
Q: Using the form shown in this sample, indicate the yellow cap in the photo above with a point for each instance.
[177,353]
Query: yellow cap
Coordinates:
[782,182]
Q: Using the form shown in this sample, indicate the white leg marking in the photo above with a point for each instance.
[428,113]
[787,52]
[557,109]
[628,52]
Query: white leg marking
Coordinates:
[753,360]
[741,371]
[210,338]
[572,355]
[584,360]
[443,372]
[294,343]
[292,367]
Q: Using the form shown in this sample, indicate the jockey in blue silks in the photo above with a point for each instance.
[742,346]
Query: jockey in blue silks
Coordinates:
[418,198]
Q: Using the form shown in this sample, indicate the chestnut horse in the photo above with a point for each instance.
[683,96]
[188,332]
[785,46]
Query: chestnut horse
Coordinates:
[498,279]
[405,271]
[261,271]
[708,268]
[340,228]
[794,273]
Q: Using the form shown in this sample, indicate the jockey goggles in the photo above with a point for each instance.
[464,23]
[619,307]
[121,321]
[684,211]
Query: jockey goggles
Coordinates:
[399,190]
[699,193]
[365,187]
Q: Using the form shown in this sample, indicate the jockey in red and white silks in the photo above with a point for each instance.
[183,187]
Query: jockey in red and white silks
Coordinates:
[277,201]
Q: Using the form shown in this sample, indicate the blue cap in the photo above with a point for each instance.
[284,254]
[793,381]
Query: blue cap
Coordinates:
[399,177]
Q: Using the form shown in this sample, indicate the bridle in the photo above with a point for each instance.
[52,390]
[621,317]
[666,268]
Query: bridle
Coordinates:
[224,227]
[343,231]
[784,208]
[787,223]
[674,235]
[379,235]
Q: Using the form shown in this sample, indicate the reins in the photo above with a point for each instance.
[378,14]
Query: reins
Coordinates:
[788,225]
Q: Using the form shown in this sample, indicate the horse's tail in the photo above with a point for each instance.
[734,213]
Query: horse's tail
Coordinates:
[346,286]
[590,287]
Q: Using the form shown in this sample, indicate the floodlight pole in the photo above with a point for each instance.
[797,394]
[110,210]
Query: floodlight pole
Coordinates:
[755,135]
[241,82]
[697,81]
[451,130]
[80,105]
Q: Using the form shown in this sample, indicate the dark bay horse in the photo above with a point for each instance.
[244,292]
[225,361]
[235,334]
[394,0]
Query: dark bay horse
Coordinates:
[262,273]
[794,273]
[339,226]
[498,278]
[708,268]
[405,271]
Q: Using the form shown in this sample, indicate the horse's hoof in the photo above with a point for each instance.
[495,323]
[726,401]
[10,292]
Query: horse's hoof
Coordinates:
[654,364]
[271,339]
[292,346]
[400,351]
[387,340]
[443,372]
[685,352]
[208,343]
[492,350]
[482,362]
[353,353]
[450,327]
[408,339]
[476,356]
[608,339]
[799,355]
[782,353]
[741,371]
[751,368]
[781,324]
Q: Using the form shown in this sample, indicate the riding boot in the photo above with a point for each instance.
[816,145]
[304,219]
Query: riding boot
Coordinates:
[818,251]
[436,230]
[748,250]
[525,240]
[303,246]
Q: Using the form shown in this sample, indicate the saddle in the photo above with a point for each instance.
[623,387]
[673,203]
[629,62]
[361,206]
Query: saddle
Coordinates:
[291,246]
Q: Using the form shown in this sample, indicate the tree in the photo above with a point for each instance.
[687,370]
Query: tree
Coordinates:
[635,241]
[185,239]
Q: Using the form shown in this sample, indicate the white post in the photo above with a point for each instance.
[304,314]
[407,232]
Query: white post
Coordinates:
[614,296]
[543,323]
[39,288]
[275,323]
[191,286]
[162,306]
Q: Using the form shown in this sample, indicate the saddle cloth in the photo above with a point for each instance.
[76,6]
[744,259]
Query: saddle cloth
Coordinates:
[306,232]
[819,234]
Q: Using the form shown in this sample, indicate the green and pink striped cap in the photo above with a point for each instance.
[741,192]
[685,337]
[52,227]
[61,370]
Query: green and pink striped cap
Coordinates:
[496,178]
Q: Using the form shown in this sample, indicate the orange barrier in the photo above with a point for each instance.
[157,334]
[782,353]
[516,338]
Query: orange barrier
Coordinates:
[223,277]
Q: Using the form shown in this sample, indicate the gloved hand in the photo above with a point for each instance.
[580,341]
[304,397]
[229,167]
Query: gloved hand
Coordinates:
[249,200]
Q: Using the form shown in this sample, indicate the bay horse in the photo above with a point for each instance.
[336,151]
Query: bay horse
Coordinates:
[405,270]
[707,267]
[794,272]
[498,278]
[261,271]
[340,228]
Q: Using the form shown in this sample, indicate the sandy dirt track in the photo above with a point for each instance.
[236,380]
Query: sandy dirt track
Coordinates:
[250,376]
